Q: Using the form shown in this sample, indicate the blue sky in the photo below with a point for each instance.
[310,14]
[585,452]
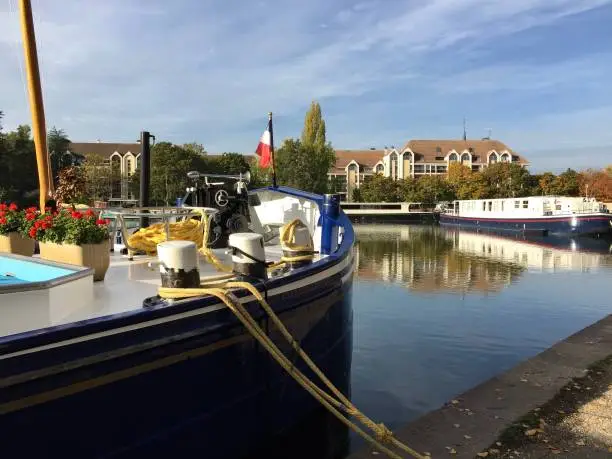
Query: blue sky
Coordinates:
[536,72]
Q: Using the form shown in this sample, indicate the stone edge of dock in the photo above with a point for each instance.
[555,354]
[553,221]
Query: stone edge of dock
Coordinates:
[472,421]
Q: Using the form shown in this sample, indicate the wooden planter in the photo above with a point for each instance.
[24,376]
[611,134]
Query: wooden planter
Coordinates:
[96,256]
[15,243]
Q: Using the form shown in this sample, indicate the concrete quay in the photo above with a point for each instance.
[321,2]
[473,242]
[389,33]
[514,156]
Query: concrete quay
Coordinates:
[473,421]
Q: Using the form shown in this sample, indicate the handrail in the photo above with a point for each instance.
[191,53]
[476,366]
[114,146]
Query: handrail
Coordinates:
[165,213]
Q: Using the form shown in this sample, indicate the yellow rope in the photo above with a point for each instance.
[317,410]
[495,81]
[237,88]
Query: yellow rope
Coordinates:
[334,404]
[146,239]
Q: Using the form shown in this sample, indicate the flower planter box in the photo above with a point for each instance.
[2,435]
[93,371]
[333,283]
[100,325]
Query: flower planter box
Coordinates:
[96,256]
[15,243]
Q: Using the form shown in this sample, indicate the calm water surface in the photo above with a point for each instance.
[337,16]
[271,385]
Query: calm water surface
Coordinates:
[439,311]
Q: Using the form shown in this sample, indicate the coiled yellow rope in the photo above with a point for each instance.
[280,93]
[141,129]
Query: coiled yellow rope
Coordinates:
[336,405]
[146,239]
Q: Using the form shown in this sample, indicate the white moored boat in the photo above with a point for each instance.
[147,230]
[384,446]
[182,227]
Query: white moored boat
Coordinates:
[539,214]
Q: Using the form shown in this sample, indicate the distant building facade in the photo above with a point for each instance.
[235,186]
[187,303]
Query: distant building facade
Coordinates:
[122,160]
[418,158]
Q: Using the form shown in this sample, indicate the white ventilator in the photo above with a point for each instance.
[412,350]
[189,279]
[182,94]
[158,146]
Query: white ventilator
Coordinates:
[248,254]
[178,264]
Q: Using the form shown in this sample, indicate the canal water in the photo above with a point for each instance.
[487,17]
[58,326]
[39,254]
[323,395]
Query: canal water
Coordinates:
[439,311]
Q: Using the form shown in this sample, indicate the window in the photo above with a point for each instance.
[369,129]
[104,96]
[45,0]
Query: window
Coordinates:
[439,158]
[452,157]
[525,204]
[515,158]
[558,207]
[502,206]
[438,150]
[517,204]
[490,206]
[484,206]
[128,166]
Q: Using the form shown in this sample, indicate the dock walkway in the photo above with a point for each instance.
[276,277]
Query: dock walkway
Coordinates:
[472,422]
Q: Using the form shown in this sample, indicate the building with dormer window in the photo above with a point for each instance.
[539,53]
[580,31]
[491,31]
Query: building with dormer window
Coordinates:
[417,158]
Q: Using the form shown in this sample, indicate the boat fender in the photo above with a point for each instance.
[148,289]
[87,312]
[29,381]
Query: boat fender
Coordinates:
[248,255]
[178,264]
[299,253]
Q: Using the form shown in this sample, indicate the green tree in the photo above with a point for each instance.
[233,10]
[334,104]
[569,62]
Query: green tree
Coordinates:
[432,188]
[260,177]
[169,166]
[505,180]
[304,166]
[314,132]
[567,184]
[97,175]
[21,180]
[196,148]
[60,156]
[377,188]
[232,163]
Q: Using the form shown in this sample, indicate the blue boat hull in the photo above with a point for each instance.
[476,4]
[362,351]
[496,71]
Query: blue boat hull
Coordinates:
[567,225]
[196,385]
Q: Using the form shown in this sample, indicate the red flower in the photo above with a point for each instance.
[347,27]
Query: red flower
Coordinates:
[3,206]
[77,215]
[31,210]
[13,206]
[45,225]
[2,220]
[89,213]
[30,217]
[101,221]
[32,232]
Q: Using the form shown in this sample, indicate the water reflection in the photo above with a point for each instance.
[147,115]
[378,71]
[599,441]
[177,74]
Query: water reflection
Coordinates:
[439,311]
[431,259]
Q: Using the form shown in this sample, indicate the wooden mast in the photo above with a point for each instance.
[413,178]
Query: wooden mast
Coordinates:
[36,103]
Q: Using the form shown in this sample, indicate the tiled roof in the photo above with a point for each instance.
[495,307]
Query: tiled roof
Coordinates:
[104,149]
[428,150]
[366,158]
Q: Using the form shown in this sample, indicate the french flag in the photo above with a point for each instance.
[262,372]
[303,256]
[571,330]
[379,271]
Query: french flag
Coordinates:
[264,149]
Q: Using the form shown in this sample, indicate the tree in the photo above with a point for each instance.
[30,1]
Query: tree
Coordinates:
[21,180]
[547,183]
[466,184]
[314,127]
[432,189]
[169,166]
[506,180]
[377,188]
[596,183]
[305,163]
[566,184]
[194,147]
[304,166]
[232,163]
[98,179]
[71,186]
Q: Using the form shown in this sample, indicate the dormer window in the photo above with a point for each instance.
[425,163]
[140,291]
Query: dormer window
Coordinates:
[438,150]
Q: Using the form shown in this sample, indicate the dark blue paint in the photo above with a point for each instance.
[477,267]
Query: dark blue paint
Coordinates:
[563,225]
[220,405]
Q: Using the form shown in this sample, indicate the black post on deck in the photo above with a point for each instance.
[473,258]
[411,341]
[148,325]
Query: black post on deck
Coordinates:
[145,173]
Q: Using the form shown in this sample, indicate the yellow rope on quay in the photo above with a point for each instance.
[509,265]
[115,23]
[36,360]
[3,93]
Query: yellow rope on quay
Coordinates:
[334,404]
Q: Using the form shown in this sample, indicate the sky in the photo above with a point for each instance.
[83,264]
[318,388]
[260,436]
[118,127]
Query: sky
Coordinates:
[534,72]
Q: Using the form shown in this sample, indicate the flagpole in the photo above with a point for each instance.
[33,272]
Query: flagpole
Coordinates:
[272,149]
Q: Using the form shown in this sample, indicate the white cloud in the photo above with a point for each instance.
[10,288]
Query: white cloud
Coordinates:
[209,70]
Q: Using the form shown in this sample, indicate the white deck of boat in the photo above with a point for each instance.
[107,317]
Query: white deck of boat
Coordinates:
[125,286]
